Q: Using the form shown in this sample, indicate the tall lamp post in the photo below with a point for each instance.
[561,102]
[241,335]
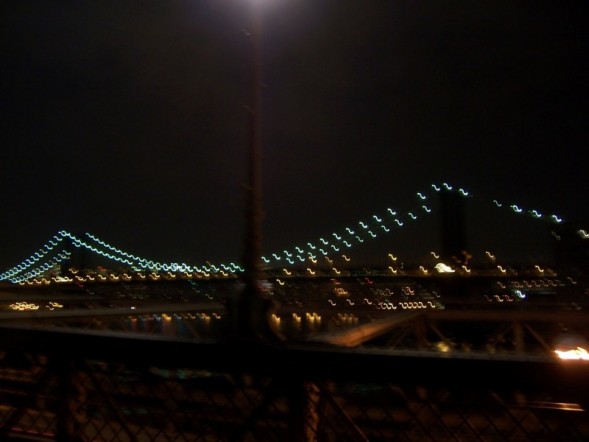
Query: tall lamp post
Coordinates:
[253,232]
[252,306]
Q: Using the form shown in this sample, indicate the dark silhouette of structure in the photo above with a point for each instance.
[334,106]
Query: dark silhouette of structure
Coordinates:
[453,227]
[252,309]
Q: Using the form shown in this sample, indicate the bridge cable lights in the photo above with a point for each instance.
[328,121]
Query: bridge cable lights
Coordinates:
[44,259]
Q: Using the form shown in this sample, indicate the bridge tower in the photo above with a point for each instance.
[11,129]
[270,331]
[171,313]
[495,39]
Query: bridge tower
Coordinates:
[78,257]
[571,250]
[453,227]
[453,241]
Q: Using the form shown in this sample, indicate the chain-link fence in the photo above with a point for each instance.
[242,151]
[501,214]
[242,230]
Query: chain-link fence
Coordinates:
[76,387]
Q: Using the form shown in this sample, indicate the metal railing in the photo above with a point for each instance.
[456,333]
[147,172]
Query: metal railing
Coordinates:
[69,385]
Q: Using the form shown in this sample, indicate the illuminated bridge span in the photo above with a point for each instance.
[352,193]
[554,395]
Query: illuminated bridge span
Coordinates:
[332,250]
[444,350]
[314,297]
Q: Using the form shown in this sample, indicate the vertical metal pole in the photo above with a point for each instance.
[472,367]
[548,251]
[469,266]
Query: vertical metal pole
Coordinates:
[251,306]
[253,234]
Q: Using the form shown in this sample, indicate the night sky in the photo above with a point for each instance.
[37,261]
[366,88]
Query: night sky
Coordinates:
[126,119]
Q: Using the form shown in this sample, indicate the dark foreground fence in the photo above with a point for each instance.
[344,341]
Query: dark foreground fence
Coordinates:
[85,386]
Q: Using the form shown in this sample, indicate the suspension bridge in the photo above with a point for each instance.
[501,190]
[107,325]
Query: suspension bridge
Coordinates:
[449,348]
[330,250]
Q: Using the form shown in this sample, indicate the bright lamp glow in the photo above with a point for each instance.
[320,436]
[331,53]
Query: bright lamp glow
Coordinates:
[578,353]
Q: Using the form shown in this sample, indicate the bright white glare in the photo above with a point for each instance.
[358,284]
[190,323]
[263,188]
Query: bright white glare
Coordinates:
[578,353]
[444,268]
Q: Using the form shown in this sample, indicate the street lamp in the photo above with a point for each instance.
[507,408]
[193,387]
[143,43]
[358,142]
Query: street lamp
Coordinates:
[252,310]
[253,233]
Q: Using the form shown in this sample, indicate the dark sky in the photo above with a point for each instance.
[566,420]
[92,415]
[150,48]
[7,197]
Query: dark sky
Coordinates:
[126,118]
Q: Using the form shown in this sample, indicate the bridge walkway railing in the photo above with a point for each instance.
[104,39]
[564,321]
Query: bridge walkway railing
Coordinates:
[67,386]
